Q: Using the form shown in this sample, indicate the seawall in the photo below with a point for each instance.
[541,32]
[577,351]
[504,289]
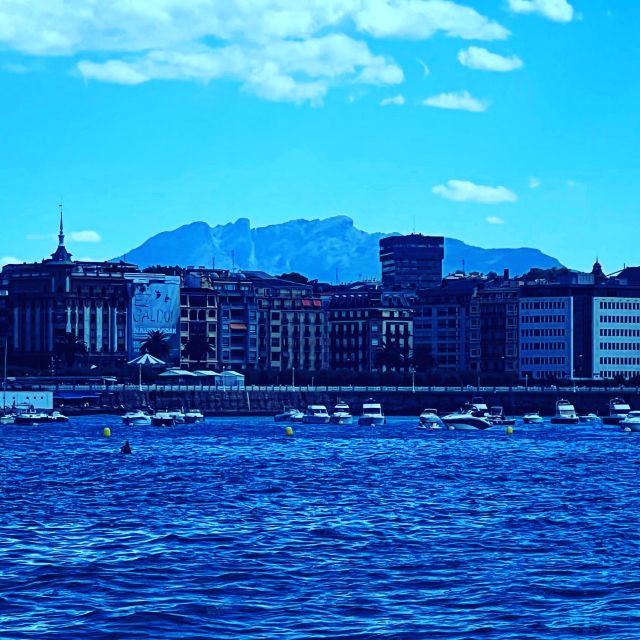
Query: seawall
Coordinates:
[241,402]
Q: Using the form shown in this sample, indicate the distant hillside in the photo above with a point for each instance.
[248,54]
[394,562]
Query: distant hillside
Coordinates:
[315,248]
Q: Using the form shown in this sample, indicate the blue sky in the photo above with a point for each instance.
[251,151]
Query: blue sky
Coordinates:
[498,122]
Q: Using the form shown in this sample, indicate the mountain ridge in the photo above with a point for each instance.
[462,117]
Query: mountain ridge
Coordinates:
[329,249]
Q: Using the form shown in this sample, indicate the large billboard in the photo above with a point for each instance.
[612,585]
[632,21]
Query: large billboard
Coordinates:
[154,306]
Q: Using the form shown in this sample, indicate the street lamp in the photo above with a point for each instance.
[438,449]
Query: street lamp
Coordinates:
[526,381]
[293,377]
[413,379]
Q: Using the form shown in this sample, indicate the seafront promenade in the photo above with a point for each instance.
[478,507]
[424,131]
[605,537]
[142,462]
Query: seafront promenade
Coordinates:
[269,400]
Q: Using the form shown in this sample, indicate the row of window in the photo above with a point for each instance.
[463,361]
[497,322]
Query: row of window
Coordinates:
[621,319]
[538,319]
[545,304]
[622,333]
[543,332]
[620,360]
[620,346]
[544,346]
[555,360]
[620,305]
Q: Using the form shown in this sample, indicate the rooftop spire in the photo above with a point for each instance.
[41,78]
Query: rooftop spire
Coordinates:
[61,254]
[61,234]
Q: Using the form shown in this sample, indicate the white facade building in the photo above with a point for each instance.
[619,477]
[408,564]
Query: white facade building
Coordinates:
[616,337]
[545,340]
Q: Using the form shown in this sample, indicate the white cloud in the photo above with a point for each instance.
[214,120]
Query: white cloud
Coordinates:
[558,10]
[276,49]
[293,71]
[464,191]
[534,182]
[5,260]
[425,69]
[483,60]
[494,220]
[84,236]
[461,100]
[41,236]
[397,100]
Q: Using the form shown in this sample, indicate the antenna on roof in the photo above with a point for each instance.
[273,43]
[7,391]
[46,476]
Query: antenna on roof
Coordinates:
[414,224]
[233,260]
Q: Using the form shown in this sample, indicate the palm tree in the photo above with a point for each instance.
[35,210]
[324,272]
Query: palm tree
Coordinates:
[156,344]
[198,348]
[69,346]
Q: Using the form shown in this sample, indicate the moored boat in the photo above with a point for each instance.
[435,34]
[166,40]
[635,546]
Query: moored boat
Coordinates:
[136,418]
[316,414]
[193,415]
[429,419]
[289,415]
[372,414]
[341,414]
[533,417]
[163,419]
[32,416]
[469,418]
[496,416]
[590,418]
[618,410]
[565,413]
[631,422]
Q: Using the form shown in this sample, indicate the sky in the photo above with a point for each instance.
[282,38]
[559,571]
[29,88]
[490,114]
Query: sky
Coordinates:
[502,123]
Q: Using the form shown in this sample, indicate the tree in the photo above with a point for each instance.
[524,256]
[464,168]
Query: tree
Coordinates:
[198,348]
[156,344]
[388,357]
[294,276]
[423,358]
[164,269]
[69,346]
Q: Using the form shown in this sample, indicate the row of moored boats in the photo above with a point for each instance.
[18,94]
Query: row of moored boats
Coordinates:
[164,418]
[372,414]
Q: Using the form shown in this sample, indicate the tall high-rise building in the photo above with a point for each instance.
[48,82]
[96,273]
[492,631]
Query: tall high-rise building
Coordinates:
[411,262]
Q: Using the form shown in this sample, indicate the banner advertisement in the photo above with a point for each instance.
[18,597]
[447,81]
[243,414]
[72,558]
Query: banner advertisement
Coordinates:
[155,306]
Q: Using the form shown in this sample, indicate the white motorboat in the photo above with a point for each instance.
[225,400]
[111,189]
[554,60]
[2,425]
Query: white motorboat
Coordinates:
[533,417]
[469,418]
[316,414]
[136,418]
[7,418]
[193,415]
[590,418]
[429,419]
[289,415]
[618,410]
[496,416]
[631,422]
[480,405]
[372,415]
[32,416]
[341,414]
[565,413]
[163,419]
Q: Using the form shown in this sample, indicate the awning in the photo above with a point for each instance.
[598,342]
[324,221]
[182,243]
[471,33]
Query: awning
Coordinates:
[176,373]
[238,326]
[206,373]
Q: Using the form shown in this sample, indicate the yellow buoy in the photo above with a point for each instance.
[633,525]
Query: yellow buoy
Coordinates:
[509,430]
[106,432]
[289,431]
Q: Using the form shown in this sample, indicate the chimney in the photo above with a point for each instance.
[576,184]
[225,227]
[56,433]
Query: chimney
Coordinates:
[506,275]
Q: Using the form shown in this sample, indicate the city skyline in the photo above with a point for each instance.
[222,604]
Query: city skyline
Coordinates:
[483,121]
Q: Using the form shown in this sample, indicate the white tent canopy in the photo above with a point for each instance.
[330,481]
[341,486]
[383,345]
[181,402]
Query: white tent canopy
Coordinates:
[176,373]
[205,373]
[146,359]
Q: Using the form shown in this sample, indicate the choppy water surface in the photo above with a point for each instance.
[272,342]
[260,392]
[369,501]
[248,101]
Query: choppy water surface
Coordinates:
[229,529]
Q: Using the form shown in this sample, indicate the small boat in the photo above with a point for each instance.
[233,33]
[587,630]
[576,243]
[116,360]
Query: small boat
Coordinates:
[341,414]
[316,414]
[372,414]
[136,419]
[590,418]
[497,417]
[7,418]
[533,417]
[56,416]
[480,405]
[631,422]
[565,413]
[163,419]
[429,419]
[31,416]
[289,415]
[192,416]
[469,418]
[618,410]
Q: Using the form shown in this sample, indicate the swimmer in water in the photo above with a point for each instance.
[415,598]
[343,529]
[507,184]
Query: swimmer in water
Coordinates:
[126,447]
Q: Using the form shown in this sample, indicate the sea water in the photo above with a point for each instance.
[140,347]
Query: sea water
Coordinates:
[231,529]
